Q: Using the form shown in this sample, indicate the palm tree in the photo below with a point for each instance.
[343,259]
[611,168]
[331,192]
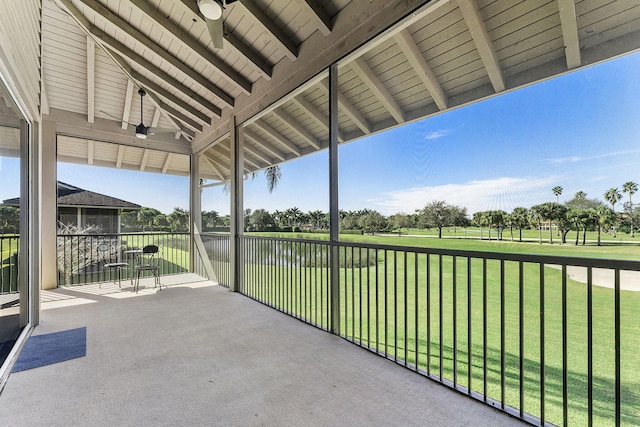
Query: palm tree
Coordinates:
[294,216]
[146,217]
[519,218]
[273,175]
[536,214]
[557,191]
[613,196]
[631,188]
[603,218]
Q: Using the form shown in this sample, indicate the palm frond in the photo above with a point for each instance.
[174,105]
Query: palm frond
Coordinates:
[273,175]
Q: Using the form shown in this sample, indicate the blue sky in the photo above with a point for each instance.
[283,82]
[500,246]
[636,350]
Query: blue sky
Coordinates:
[580,131]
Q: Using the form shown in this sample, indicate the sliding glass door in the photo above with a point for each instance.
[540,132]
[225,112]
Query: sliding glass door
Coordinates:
[14,137]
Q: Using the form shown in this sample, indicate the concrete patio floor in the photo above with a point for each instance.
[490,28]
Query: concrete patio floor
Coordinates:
[195,354]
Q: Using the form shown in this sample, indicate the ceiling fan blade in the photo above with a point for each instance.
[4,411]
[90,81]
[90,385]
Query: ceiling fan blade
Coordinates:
[116,118]
[153,131]
[216,31]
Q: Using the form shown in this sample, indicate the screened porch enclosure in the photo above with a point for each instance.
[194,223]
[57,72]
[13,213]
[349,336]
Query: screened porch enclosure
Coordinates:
[139,85]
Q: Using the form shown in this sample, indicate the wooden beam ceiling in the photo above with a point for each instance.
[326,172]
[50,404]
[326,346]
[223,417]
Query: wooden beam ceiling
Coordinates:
[420,66]
[278,36]
[475,23]
[568,21]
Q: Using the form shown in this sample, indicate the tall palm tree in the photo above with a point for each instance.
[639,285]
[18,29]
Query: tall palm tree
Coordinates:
[613,196]
[631,188]
[557,191]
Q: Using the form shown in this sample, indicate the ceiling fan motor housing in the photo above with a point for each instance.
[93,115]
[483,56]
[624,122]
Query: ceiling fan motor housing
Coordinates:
[211,9]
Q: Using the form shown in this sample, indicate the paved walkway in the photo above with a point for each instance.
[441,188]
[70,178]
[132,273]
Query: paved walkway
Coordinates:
[195,354]
[629,280]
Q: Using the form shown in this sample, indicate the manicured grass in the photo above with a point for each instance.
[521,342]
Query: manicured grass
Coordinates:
[609,250]
[389,310]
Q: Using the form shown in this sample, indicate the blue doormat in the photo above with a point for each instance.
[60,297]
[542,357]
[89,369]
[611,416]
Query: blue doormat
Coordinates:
[46,349]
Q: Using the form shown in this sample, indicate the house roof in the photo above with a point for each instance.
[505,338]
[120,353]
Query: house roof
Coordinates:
[72,196]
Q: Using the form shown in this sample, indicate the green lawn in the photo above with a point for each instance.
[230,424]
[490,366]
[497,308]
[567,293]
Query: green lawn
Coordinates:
[398,324]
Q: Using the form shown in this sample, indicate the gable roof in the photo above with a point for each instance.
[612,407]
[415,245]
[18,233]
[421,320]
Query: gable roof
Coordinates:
[72,196]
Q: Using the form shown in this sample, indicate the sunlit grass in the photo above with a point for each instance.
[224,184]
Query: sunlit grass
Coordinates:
[386,310]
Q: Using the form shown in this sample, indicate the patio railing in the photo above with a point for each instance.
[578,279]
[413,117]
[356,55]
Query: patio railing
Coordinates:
[217,250]
[547,339]
[9,248]
[79,260]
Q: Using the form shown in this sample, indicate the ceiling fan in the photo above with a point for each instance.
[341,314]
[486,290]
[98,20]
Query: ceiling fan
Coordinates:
[143,131]
[211,10]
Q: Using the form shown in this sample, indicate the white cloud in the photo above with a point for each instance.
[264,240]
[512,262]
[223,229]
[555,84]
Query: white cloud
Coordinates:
[499,193]
[574,159]
[436,134]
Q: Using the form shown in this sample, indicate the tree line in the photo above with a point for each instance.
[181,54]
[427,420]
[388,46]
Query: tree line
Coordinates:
[579,214]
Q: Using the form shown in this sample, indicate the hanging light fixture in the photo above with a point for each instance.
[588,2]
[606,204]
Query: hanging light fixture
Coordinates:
[211,9]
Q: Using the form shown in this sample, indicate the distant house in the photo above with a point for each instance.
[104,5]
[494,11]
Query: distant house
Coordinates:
[77,206]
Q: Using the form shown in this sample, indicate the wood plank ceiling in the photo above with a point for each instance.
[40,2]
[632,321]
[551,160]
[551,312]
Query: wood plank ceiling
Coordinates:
[445,54]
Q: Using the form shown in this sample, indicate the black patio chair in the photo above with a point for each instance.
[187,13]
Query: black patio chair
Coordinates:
[149,261]
[105,251]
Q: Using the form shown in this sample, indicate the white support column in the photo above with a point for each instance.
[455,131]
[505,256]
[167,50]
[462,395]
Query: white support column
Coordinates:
[195,209]
[48,208]
[237,208]
[333,199]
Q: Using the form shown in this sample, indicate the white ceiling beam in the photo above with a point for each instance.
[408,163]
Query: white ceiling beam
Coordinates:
[156,118]
[232,76]
[279,138]
[120,156]
[569,24]
[420,66]
[281,39]
[120,49]
[159,90]
[127,104]
[214,167]
[45,99]
[167,163]
[390,32]
[91,80]
[90,148]
[258,155]
[253,57]
[319,16]
[150,90]
[68,7]
[172,112]
[378,88]
[136,35]
[226,171]
[475,24]
[227,156]
[263,145]
[251,161]
[351,111]
[297,128]
[315,114]
[145,159]
[75,125]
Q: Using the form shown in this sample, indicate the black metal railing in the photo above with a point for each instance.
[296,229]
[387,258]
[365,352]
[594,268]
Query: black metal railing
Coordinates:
[550,340]
[80,260]
[289,275]
[217,249]
[9,248]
